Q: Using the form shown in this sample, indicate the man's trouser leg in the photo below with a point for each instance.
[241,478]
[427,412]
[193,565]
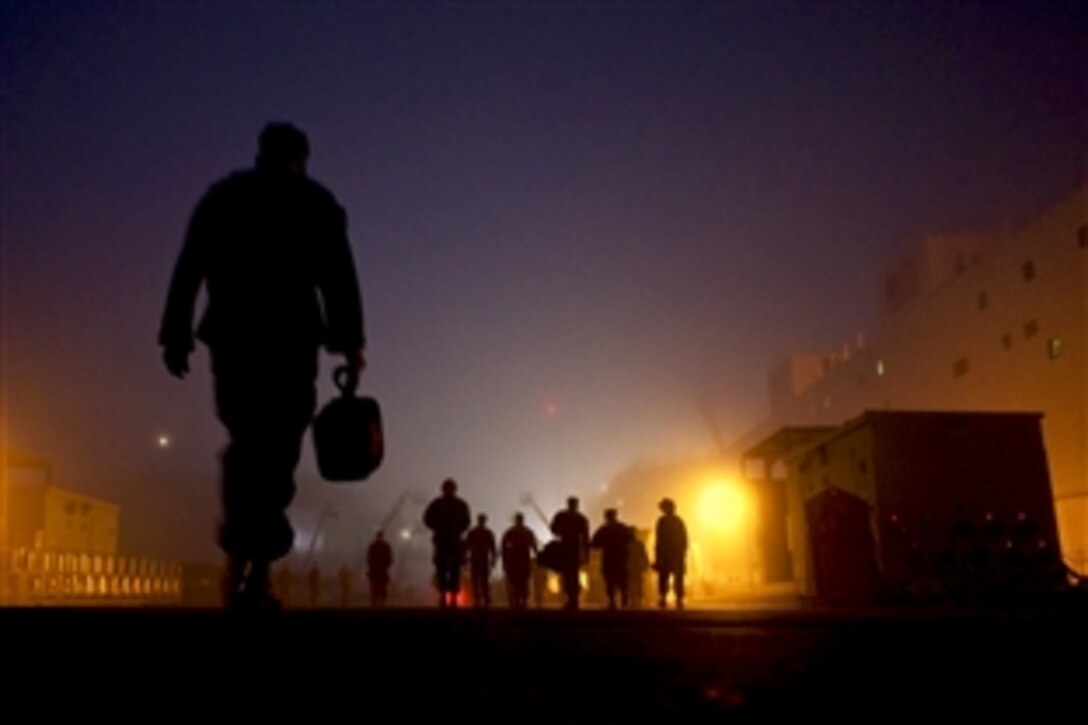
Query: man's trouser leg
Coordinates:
[571,586]
[477,588]
[258,485]
[449,571]
[520,585]
[266,408]
[662,586]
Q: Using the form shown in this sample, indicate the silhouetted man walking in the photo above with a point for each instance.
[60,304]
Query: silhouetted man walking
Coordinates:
[613,539]
[314,580]
[518,550]
[379,559]
[447,517]
[572,530]
[271,246]
[482,553]
[670,553]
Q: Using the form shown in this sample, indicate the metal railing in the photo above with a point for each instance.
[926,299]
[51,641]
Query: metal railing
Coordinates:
[37,576]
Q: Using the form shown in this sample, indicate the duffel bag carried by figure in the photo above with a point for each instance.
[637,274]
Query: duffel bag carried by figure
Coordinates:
[347,432]
[551,556]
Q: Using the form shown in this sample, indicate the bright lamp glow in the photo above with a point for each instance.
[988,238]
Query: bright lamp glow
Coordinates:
[723,508]
[721,532]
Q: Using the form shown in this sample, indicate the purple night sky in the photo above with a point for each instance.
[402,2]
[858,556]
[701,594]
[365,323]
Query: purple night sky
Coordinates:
[613,208]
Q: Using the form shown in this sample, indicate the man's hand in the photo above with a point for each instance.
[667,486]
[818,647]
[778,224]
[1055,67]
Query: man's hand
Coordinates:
[354,362]
[177,361]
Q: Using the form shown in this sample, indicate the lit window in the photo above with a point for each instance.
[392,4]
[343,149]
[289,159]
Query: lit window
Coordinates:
[1054,348]
[983,300]
[1031,328]
[1028,270]
[960,367]
[880,368]
[1006,341]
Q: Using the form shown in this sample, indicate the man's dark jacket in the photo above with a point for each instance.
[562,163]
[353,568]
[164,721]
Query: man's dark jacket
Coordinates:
[273,250]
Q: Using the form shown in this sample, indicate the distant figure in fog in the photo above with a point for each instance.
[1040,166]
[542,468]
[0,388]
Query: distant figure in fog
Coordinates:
[347,583]
[638,563]
[613,539]
[670,553]
[572,530]
[270,247]
[379,560]
[518,550]
[482,555]
[447,517]
[313,578]
[285,584]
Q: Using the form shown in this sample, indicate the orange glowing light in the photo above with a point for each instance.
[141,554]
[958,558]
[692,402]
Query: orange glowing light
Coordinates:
[721,531]
[723,507]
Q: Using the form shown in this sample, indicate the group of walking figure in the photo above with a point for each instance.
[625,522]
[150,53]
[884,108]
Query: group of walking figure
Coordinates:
[623,555]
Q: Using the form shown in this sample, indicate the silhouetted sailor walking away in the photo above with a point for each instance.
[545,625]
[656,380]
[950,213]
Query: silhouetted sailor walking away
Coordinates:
[347,584]
[379,559]
[572,530]
[271,247]
[482,554]
[518,550]
[447,517]
[613,539]
[670,553]
[314,578]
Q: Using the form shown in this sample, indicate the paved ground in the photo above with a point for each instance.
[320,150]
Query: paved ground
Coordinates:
[704,665]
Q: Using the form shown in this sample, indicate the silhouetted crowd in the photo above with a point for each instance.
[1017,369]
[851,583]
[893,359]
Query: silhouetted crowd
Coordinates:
[614,555]
[525,563]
